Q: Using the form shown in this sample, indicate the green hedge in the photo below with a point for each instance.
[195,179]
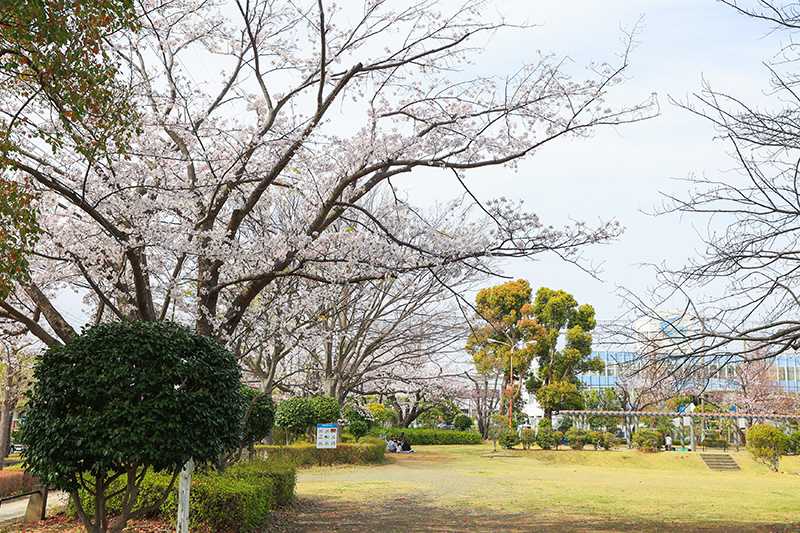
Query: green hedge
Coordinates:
[240,499]
[430,436]
[304,454]
[282,475]
[224,503]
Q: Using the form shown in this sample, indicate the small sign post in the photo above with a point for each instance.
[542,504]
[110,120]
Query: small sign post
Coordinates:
[327,436]
[184,485]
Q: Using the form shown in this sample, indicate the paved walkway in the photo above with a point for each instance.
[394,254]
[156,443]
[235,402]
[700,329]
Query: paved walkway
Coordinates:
[15,510]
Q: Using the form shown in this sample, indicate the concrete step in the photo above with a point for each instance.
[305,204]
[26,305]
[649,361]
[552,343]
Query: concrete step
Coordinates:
[719,461]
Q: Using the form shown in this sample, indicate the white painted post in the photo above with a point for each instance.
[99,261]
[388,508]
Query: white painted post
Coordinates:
[184,484]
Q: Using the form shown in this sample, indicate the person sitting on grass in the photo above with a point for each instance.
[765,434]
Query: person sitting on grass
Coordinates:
[391,446]
[405,446]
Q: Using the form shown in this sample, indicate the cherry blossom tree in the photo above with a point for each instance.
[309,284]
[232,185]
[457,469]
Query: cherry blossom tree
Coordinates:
[275,325]
[384,331]
[756,390]
[484,390]
[419,389]
[273,137]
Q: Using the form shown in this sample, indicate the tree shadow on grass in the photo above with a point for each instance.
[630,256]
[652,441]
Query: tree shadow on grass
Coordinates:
[404,514]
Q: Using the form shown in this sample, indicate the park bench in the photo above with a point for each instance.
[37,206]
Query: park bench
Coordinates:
[37,503]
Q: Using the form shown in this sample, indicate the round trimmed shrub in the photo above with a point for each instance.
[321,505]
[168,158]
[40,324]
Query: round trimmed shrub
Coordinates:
[577,438]
[294,415]
[527,437]
[125,398]
[601,440]
[647,440]
[324,408]
[358,422]
[546,438]
[258,416]
[766,444]
[358,428]
[462,422]
[508,438]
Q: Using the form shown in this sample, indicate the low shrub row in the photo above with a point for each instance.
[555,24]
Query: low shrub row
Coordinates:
[578,439]
[238,500]
[15,482]
[430,436]
[367,451]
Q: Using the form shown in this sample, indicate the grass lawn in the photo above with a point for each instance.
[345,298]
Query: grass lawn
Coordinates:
[458,488]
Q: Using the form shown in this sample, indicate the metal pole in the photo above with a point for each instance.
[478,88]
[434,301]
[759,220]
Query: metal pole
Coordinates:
[184,484]
[691,434]
[511,389]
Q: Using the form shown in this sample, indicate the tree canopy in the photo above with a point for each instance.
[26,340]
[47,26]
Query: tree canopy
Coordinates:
[563,349]
[124,398]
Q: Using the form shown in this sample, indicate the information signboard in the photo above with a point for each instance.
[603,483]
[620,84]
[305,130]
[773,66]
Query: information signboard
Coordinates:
[327,435]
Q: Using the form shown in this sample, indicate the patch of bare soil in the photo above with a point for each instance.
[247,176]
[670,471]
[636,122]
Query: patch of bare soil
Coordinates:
[405,515]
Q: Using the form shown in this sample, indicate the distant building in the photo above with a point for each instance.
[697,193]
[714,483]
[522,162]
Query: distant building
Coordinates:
[716,374]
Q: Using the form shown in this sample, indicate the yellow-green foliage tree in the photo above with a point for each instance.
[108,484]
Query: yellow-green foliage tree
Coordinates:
[508,334]
[563,349]
[18,233]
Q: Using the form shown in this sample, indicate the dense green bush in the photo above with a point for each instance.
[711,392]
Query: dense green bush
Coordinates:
[358,420]
[294,415]
[577,438]
[647,440]
[258,415]
[325,409]
[714,439]
[766,444]
[368,451]
[419,436]
[358,428]
[793,443]
[547,439]
[462,422]
[508,438]
[129,395]
[527,437]
[601,440]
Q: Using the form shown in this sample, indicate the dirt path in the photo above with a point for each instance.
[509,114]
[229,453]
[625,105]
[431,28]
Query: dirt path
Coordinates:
[401,515]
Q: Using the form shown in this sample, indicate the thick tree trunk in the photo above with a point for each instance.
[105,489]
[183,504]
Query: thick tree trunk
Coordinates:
[483,426]
[329,386]
[6,415]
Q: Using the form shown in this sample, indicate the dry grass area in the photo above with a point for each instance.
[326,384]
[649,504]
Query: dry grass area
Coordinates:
[469,488]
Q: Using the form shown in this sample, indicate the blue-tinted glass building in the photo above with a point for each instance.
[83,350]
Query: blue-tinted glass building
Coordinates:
[716,373]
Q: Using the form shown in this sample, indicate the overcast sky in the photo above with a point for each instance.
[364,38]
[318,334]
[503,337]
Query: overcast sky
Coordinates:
[619,173]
